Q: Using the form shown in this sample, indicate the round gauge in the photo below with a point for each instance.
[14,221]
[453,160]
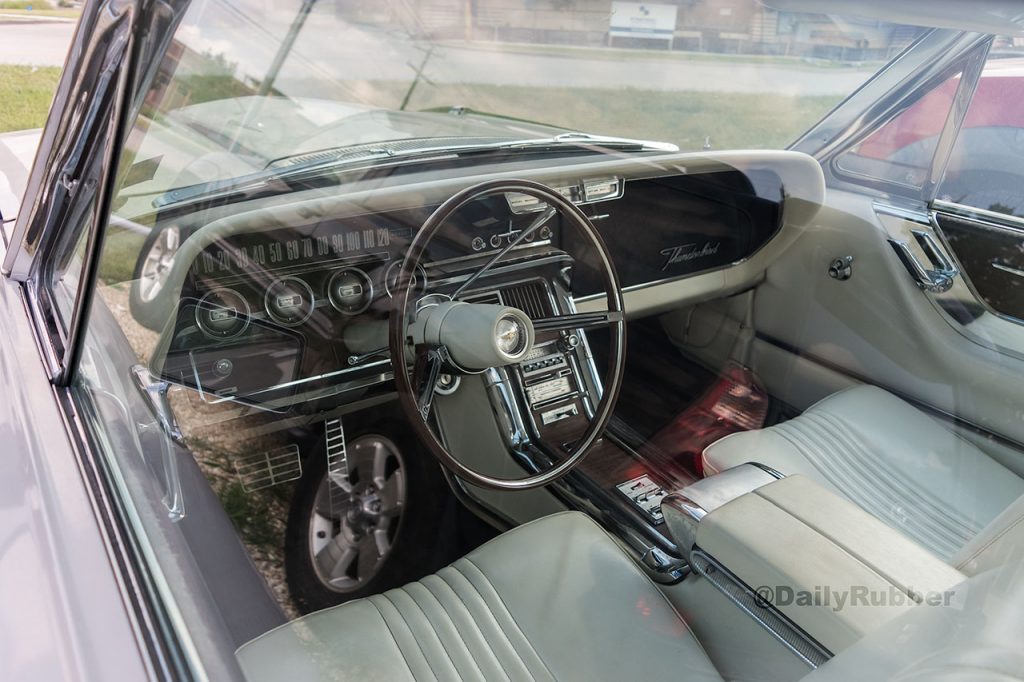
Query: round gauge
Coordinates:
[419,278]
[289,301]
[350,291]
[222,313]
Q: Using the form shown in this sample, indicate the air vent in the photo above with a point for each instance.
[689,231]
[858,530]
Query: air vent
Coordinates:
[530,297]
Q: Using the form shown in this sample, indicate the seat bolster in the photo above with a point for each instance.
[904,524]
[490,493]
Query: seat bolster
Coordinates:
[764,446]
[350,642]
[573,591]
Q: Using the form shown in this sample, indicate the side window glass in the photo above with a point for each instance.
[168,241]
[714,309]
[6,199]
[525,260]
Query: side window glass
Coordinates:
[901,151]
[985,172]
[986,168]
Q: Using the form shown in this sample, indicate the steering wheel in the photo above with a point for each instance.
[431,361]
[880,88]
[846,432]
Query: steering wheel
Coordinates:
[439,333]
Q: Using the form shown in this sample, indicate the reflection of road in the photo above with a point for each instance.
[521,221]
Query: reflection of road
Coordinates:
[332,49]
[329,48]
[36,44]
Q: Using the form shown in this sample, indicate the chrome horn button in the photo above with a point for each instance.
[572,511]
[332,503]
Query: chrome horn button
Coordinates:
[510,336]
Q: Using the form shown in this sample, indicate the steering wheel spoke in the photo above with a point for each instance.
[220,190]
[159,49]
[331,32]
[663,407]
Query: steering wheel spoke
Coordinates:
[426,372]
[416,387]
[577,321]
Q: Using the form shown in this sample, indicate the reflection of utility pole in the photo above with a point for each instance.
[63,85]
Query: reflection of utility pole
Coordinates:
[252,114]
[286,47]
[419,75]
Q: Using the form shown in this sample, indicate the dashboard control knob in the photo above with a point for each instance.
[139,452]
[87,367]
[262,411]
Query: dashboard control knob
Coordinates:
[496,241]
[544,232]
[568,342]
[478,243]
[223,367]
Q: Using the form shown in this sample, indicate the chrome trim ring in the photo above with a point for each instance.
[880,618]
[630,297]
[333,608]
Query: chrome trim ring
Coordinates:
[367,291]
[279,318]
[243,313]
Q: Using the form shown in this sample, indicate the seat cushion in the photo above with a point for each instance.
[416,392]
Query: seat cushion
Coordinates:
[890,458]
[555,599]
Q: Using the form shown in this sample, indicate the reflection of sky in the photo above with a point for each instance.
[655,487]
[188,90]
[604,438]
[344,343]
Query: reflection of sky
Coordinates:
[329,50]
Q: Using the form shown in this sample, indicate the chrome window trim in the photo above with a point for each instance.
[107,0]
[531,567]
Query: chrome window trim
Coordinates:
[993,219]
[969,64]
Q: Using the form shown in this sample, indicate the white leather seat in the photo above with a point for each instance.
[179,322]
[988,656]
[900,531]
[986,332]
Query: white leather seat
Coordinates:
[555,599]
[891,459]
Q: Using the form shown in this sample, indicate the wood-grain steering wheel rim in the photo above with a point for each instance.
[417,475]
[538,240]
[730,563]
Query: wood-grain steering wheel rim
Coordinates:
[398,328]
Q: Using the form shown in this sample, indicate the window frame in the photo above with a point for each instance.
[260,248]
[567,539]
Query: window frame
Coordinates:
[924,65]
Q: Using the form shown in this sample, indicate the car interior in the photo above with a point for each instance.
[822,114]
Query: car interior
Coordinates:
[572,406]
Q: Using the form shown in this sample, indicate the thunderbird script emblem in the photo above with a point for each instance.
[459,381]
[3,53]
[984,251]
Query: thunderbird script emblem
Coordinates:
[688,252]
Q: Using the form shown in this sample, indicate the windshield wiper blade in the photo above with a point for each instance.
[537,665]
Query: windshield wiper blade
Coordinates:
[264,177]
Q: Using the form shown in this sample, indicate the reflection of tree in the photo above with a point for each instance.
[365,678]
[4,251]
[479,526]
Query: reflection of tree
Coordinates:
[1003,208]
[189,77]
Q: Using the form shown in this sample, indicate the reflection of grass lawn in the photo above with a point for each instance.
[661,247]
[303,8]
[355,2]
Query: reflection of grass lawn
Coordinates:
[686,118]
[62,12]
[25,95]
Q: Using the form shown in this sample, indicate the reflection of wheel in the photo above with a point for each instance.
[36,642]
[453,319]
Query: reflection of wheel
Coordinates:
[375,528]
[151,271]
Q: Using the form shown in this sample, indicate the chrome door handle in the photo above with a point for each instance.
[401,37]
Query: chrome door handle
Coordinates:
[938,279]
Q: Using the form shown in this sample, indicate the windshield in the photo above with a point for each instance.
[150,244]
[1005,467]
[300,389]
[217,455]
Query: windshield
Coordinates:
[379,274]
[245,84]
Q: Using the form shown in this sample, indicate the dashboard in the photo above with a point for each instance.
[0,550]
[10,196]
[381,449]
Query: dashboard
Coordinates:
[286,314]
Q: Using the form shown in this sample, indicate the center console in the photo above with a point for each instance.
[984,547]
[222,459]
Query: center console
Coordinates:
[811,567]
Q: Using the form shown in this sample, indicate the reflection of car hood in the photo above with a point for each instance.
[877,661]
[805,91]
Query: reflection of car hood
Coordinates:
[274,127]
[17,150]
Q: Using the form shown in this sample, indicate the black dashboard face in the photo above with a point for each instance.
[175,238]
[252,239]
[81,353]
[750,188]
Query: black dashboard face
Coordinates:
[267,315]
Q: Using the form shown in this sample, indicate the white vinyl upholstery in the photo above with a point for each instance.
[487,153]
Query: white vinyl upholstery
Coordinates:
[555,599]
[894,461]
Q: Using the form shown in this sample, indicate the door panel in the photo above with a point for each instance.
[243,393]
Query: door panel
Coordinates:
[877,327]
[991,259]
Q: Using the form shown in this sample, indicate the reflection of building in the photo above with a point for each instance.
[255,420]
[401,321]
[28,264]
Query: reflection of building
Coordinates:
[719,26]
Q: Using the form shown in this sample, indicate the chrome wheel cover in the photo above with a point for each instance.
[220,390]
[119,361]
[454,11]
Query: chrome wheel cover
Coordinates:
[356,518]
[157,266]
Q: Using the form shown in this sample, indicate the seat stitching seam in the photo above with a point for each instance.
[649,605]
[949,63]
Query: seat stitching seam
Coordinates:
[414,637]
[871,486]
[847,478]
[974,555]
[455,627]
[511,617]
[412,673]
[957,527]
[476,624]
[833,467]
[505,634]
[922,493]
